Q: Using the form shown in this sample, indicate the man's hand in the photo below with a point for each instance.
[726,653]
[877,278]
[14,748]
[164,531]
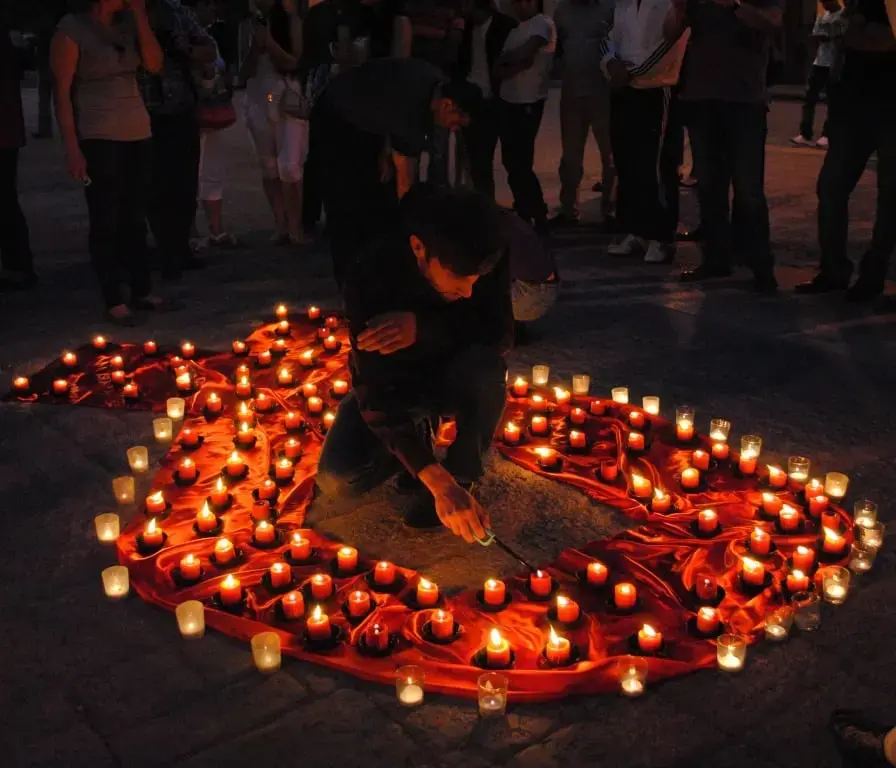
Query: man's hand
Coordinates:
[619,76]
[456,508]
[389,333]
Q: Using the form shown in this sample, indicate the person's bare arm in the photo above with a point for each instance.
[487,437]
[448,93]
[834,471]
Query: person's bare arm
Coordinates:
[676,21]
[405,172]
[402,37]
[151,55]
[284,60]
[64,54]
[518,59]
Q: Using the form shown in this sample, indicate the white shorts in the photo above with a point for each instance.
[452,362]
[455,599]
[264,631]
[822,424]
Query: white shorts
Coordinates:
[280,141]
[212,165]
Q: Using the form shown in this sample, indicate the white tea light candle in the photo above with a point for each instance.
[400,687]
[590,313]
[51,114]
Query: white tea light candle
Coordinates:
[175,407]
[138,459]
[266,651]
[107,527]
[163,429]
[409,685]
[124,489]
[191,619]
[116,582]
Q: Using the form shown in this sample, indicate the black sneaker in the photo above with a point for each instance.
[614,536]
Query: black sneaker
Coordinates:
[865,290]
[704,272]
[859,738]
[822,284]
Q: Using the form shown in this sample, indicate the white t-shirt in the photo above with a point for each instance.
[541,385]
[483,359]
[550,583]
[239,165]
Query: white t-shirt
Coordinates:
[479,74]
[531,84]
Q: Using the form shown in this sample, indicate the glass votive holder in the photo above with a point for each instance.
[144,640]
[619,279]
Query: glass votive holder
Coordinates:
[581,383]
[175,407]
[124,489]
[191,619]
[619,395]
[835,585]
[409,685]
[540,375]
[684,421]
[719,429]
[107,527]
[806,611]
[492,694]
[138,459]
[731,652]
[266,651]
[872,536]
[861,557]
[116,582]
[835,484]
[632,673]
[651,404]
[750,448]
[778,624]
[163,429]
[798,469]
[865,513]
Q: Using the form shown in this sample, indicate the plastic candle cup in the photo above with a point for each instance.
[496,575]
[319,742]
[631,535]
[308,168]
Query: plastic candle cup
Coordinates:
[230,590]
[327,421]
[540,375]
[118,377]
[235,465]
[752,572]
[293,605]
[539,425]
[789,518]
[797,581]
[224,551]
[21,384]
[650,640]
[213,403]
[814,488]
[280,575]
[581,383]
[771,504]
[578,416]
[219,494]
[661,502]
[684,423]
[331,322]
[69,359]
[625,596]
[116,582]
[760,542]
[206,521]
[292,420]
[561,396]
[299,547]
[265,357]
[596,573]
[546,458]
[720,451]
[706,587]
[642,488]
[189,437]
[358,603]
[497,650]
[191,619]
[163,430]
[153,535]
[283,328]
[558,649]
[778,623]
[632,676]
[124,489]
[707,619]
[238,347]
[314,405]
[494,592]
[511,433]
[175,407]
[777,477]
[184,382]
[263,403]
[331,343]
[609,470]
[384,574]
[347,559]
[340,387]
[187,350]
[619,395]
[750,447]
[243,387]
[651,404]
[265,533]
[107,527]
[409,685]
[150,347]
[190,567]
[442,624]
[690,478]
[313,313]
[540,583]
[520,387]
[833,543]
[700,459]
[803,558]
[427,593]
[731,652]
[835,484]
[719,429]
[492,689]
[138,459]
[130,391]
[798,469]
[538,403]
[318,624]
[636,440]
[99,342]
[835,584]
[306,359]
[817,505]
[60,386]
[707,521]
[567,610]
[187,470]
[865,513]
[321,586]
[597,407]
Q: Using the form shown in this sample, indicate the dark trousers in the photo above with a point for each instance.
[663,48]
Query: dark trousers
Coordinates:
[671,159]
[728,144]
[818,80]
[518,129]
[174,187]
[358,205]
[856,131]
[354,460]
[637,130]
[481,139]
[15,245]
[312,180]
[116,203]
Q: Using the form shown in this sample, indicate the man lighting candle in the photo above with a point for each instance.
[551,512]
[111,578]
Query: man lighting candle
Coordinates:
[429,314]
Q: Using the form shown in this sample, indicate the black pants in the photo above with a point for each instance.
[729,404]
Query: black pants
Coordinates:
[818,80]
[518,129]
[857,131]
[312,180]
[671,159]
[174,187]
[358,205]
[638,119]
[116,203]
[15,245]
[728,143]
[354,460]
[481,139]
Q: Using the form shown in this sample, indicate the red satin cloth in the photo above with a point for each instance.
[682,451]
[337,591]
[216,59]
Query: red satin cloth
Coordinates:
[662,556]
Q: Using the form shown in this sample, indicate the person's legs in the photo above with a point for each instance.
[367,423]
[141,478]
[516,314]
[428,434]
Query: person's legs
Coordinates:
[312,192]
[264,142]
[481,139]
[519,129]
[624,151]
[475,395]
[134,161]
[814,86]
[187,188]
[16,259]
[599,118]
[292,149]
[212,169]
[671,159]
[574,119]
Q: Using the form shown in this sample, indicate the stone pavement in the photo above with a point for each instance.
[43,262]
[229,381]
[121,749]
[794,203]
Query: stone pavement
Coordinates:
[90,683]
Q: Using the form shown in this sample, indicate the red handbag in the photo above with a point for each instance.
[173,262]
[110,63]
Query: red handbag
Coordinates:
[216,117]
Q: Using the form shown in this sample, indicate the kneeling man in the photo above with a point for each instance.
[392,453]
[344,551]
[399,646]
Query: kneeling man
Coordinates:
[430,316]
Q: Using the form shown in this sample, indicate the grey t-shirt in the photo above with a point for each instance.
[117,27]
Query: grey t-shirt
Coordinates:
[105,95]
[726,60]
[387,97]
[580,28]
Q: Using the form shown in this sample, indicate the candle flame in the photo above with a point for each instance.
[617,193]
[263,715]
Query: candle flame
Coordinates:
[543,452]
[494,638]
[659,495]
[330,339]
[491,584]
[229,581]
[831,535]
[803,550]
[511,427]
[151,526]
[648,631]
[297,538]
[319,578]
[205,511]
[707,613]
[307,354]
[347,551]
[219,485]
[222,545]
[156,496]
[425,583]
[213,397]
[750,564]
[799,575]
[281,309]
[562,602]
[278,567]
[187,463]
[235,457]
[316,613]
[190,559]
[285,463]
[759,533]
[262,396]
[441,615]
[519,381]
[264,525]
[554,638]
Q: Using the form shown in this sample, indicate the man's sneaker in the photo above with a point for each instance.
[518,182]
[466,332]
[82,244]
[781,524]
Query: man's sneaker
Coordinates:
[628,246]
[822,143]
[659,253]
[801,141]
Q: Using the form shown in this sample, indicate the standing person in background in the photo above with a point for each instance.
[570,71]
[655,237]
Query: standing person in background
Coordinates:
[584,102]
[485,33]
[862,120]
[524,70]
[170,97]
[106,133]
[280,139]
[727,100]
[829,28]
[16,260]
[389,28]
[49,14]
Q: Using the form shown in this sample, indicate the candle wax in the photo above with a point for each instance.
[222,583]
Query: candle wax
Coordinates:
[411,695]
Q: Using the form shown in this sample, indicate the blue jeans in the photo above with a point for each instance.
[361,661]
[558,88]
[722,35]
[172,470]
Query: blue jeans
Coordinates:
[728,143]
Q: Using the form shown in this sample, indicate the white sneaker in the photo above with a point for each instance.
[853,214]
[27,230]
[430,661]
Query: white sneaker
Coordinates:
[659,253]
[822,143]
[628,246]
[801,141]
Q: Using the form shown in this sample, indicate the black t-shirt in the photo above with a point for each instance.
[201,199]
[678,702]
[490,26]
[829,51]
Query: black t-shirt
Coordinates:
[380,20]
[321,25]
[869,75]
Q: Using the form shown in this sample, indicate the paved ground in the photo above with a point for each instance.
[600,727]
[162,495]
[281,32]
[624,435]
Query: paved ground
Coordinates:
[90,683]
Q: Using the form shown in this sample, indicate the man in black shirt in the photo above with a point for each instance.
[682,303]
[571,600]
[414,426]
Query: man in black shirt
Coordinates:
[430,318]
[862,121]
[382,109]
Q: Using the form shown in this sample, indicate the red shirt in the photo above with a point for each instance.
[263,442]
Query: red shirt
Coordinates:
[12,123]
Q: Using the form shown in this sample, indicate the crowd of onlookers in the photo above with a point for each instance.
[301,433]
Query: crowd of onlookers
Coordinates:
[143,90]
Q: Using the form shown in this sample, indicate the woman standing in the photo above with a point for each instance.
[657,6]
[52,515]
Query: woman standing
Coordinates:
[280,139]
[105,131]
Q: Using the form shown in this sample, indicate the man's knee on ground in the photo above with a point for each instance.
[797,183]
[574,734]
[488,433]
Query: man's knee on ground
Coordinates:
[335,483]
[533,300]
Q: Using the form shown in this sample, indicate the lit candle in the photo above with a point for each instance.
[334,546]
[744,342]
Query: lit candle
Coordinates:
[719,429]
[511,433]
[835,585]
[155,503]
[707,620]
[752,572]
[625,596]
[321,586]
[153,536]
[384,574]
[283,469]
[497,652]
[731,653]
[427,593]
[267,490]
[777,477]
[409,685]
[803,559]
[283,327]
[641,487]
[265,533]
[835,484]
[789,518]
[224,551]
[243,387]
[539,425]
[637,419]
[760,542]
[293,604]
[238,347]
[318,625]
[619,395]
[651,404]
[60,386]
[797,581]
[567,610]
[21,384]
[442,624]
[798,469]
[107,527]
[377,638]
[187,350]
[684,423]
[817,505]
[235,465]
[834,543]
[292,420]
[266,651]
[99,342]
[540,375]
[118,377]
[327,421]
[315,405]
[597,407]
[596,573]
[117,362]
[578,416]
[771,503]
[581,383]
[347,559]
[138,459]
[332,321]
[292,448]
[116,582]
[313,313]
[577,439]
[280,575]
[299,547]
[263,403]
[358,604]
[609,470]
[633,677]
[187,471]
[69,359]
[661,502]
[306,359]
[700,459]
[720,451]
[123,489]
[184,382]
[707,521]
[706,587]
[340,387]
[130,391]
[213,403]
[150,347]
[814,488]
[561,396]
[540,583]
[520,387]
[494,592]
[750,447]
[230,590]
[558,649]
[546,458]
[690,478]
[219,494]
[331,343]
[636,441]
[650,640]
[264,357]
[190,567]
[206,521]
[538,403]
[865,512]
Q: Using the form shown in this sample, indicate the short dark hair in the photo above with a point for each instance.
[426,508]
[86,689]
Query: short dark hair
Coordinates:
[466,96]
[460,227]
